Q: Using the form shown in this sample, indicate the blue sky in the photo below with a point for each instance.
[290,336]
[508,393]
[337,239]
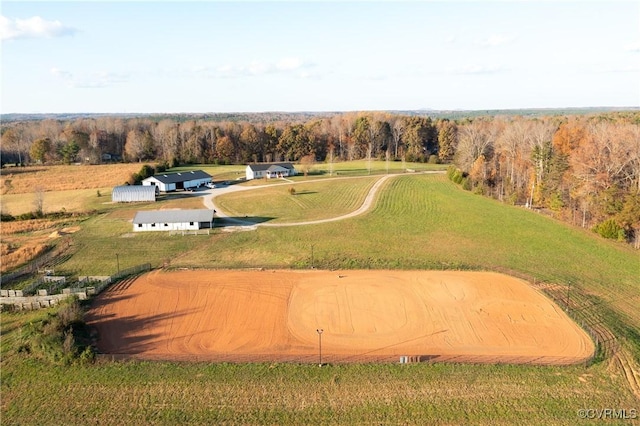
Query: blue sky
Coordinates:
[317,56]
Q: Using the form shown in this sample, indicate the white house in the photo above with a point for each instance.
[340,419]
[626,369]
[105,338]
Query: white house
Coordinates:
[133,193]
[172,220]
[270,170]
[174,181]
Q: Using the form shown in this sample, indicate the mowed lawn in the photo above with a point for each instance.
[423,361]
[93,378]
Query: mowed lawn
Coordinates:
[312,200]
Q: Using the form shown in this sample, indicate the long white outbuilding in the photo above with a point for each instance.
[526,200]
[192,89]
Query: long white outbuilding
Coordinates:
[168,182]
[172,220]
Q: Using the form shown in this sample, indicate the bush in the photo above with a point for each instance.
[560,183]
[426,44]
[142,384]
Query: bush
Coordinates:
[450,171]
[292,191]
[433,159]
[466,183]
[61,337]
[4,217]
[162,167]
[145,172]
[610,229]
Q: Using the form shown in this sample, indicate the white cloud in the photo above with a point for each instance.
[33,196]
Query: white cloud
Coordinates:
[476,69]
[257,68]
[633,47]
[35,27]
[618,69]
[288,64]
[495,40]
[93,80]
[65,75]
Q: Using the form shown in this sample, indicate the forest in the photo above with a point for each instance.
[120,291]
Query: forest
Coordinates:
[582,168]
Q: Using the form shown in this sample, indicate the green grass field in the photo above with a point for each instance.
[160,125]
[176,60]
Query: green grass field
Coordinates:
[418,222]
[311,201]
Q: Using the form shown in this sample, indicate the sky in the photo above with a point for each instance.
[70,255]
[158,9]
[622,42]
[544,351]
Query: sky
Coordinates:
[252,56]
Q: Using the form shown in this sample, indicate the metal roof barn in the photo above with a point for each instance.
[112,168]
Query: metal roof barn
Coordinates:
[181,180]
[172,220]
[133,193]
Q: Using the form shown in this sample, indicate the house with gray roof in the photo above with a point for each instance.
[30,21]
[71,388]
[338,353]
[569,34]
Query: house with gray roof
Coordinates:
[269,170]
[167,182]
[172,220]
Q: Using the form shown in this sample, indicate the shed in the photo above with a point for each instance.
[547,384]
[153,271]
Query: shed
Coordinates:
[172,220]
[133,193]
[269,170]
[182,180]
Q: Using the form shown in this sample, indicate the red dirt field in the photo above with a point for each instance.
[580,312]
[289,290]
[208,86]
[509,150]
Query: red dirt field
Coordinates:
[366,316]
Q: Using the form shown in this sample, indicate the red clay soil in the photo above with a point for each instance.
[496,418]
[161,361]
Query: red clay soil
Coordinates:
[365,316]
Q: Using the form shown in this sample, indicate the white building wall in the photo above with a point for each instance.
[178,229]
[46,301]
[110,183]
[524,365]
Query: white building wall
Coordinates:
[181,226]
[249,173]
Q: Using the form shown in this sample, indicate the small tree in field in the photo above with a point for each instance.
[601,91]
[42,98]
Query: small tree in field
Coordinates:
[38,202]
[292,191]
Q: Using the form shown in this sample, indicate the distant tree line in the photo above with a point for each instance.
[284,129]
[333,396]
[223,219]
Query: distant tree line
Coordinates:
[584,168]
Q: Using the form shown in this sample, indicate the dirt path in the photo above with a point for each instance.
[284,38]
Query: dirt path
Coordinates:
[209,203]
[364,315]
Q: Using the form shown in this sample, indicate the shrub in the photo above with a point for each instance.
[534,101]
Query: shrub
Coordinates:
[4,217]
[145,172]
[292,191]
[610,229]
[466,183]
[61,337]
[162,167]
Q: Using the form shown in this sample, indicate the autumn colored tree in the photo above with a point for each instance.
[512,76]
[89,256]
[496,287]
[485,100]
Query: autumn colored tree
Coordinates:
[420,138]
[40,149]
[225,149]
[447,140]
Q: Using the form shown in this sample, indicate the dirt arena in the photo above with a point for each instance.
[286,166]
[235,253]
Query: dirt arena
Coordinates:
[365,316]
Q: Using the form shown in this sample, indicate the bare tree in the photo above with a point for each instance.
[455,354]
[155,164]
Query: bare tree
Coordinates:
[38,201]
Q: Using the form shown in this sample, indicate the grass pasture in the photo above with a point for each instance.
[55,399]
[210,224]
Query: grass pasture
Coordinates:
[115,393]
[311,201]
[417,222]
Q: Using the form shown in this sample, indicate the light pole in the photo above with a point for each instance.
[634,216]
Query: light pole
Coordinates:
[319,331]
[118,262]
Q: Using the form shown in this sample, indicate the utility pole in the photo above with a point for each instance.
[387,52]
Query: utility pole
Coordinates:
[312,267]
[118,262]
[319,331]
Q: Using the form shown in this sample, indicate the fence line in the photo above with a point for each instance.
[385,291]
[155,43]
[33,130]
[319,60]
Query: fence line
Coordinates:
[22,301]
[36,264]
[352,359]
[578,305]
